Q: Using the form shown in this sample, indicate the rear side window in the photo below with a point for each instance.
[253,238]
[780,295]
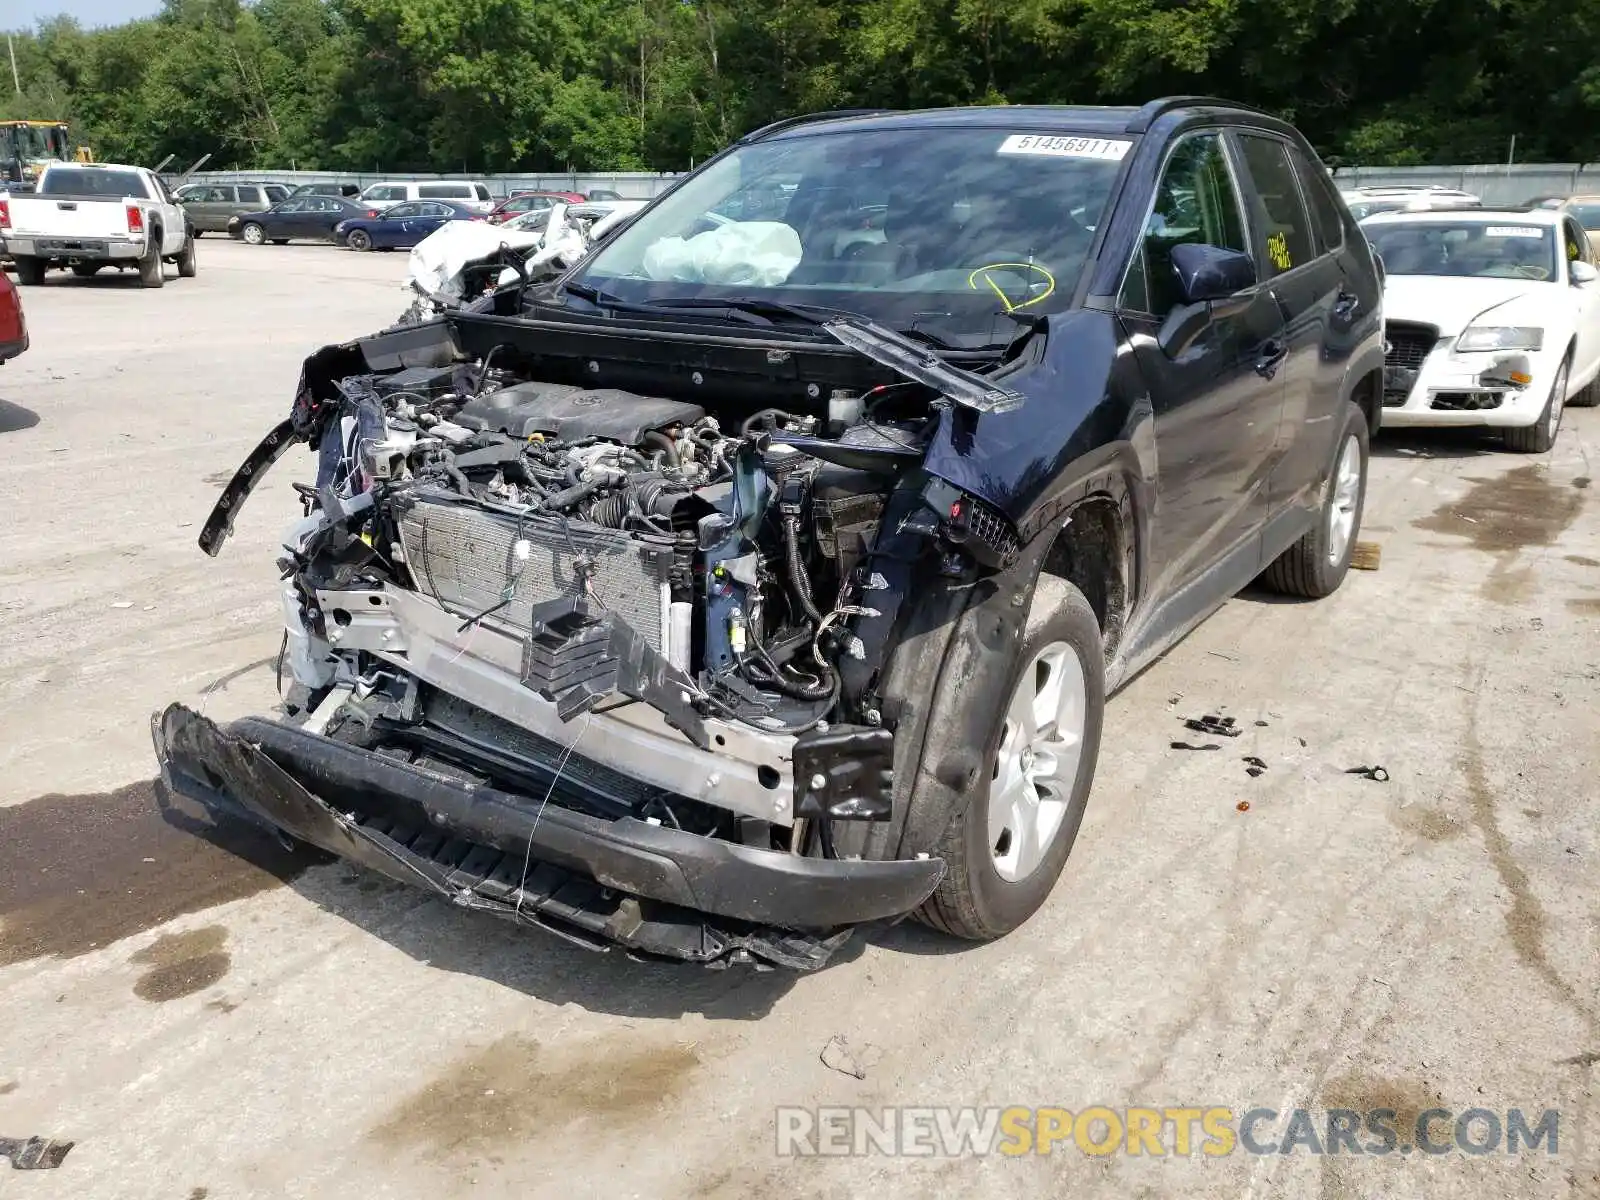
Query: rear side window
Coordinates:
[445,191]
[249,195]
[1286,242]
[387,193]
[1195,202]
[274,194]
[482,192]
[1327,221]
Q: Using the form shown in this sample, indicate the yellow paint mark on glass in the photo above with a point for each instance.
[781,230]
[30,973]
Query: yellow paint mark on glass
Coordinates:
[984,273]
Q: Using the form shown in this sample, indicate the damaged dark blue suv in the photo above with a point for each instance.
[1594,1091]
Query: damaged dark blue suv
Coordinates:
[764,575]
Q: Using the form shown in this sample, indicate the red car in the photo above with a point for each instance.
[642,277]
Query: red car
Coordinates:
[13,326]
[518,203]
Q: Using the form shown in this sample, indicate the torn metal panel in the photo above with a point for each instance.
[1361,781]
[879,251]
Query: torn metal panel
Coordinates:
[34,1153]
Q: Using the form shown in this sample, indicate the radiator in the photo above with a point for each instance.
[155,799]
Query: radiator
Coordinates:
[462,555]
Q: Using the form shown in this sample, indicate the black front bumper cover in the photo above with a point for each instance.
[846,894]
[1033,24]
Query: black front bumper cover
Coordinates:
[658,892]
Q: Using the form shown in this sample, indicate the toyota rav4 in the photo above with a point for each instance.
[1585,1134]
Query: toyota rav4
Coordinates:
[764,575]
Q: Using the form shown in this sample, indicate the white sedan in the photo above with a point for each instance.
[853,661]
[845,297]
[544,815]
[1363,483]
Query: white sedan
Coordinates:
[1492,318]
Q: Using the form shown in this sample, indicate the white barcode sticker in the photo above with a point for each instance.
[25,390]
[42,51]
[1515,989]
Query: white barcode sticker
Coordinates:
[1520,231]
[1057,146]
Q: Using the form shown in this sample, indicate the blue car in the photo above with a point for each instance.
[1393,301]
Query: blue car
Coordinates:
[402,226]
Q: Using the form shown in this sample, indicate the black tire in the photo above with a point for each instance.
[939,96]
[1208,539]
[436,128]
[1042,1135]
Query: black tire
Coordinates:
[1309,568]
[253,234]
[1539,437]
[1588,397]
[30,270]
[197,233]
[359,240]
[973,900]
[187,267]
[86,270]
[152,271]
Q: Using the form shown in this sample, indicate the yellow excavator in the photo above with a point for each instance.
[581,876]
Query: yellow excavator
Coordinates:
[26,147]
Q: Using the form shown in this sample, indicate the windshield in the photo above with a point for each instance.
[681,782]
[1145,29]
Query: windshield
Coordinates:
[924,227]
[1588,215]
[89,181]
[1469,250]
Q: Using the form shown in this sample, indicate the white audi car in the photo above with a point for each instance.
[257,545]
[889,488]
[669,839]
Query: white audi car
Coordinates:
[1492,318]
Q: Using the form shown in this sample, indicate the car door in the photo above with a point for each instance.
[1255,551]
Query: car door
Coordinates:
[1585,301]
[283,220]
[392,228]
[208,208]
[1295,262]
[246,198]
[1216,400]
[321,214]
[428,218]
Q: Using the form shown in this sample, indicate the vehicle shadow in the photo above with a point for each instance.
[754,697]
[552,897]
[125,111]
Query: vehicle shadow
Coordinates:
[1437,443]
[13,417]
[529,960]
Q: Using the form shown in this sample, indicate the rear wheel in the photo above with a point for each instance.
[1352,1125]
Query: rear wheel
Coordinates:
[152,272]
[1316,565]
[1005,850]
[86,270]
[253,234]
[30,270]
[187,267]
[359,239]
[1541,435]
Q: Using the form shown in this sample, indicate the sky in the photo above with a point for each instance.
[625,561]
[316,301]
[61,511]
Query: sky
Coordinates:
[23,14]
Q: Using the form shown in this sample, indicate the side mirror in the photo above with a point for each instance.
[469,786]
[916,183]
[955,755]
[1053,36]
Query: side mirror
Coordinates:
[1208,273]
[1581,272]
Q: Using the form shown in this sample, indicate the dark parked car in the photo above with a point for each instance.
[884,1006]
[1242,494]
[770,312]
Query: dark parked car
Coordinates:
[210,205]
[744,585]
[402,226]
[307,217]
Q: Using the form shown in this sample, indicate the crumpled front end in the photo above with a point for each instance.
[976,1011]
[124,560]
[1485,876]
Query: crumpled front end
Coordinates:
[536,859]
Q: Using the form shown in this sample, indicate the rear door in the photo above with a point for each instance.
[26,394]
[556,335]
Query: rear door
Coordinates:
[1299,263]
[1216,402]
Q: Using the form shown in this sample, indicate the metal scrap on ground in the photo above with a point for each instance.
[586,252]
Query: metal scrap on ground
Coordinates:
[35,1153]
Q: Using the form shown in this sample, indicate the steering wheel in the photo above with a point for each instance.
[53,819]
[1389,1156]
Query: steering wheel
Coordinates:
[1041,283]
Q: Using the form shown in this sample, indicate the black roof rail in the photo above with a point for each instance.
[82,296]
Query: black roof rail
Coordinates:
[807,118]
[1147,114]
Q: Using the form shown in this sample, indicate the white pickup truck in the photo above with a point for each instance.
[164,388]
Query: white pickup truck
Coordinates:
[85,216]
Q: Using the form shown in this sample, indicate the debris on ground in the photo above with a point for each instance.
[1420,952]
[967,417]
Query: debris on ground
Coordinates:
[837,1056]
[1301,740]
[1365,556]
[1254,766]
[1217,726]
[1377,774]
[35,1153]
[1189,746]
[1261,724]
[1242,806]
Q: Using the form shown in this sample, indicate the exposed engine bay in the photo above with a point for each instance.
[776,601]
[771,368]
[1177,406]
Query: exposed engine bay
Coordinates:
[523,600]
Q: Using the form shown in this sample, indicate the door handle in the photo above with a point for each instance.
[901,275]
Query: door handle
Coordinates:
[1346,304]
[1273,352]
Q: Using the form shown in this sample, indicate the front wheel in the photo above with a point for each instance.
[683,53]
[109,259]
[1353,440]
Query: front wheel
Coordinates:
[1541,435]
[1005,850]
[1316,565]
[253,234]
[359,239]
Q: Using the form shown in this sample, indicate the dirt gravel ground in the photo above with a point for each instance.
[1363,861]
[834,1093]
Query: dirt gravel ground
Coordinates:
[219,1019]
